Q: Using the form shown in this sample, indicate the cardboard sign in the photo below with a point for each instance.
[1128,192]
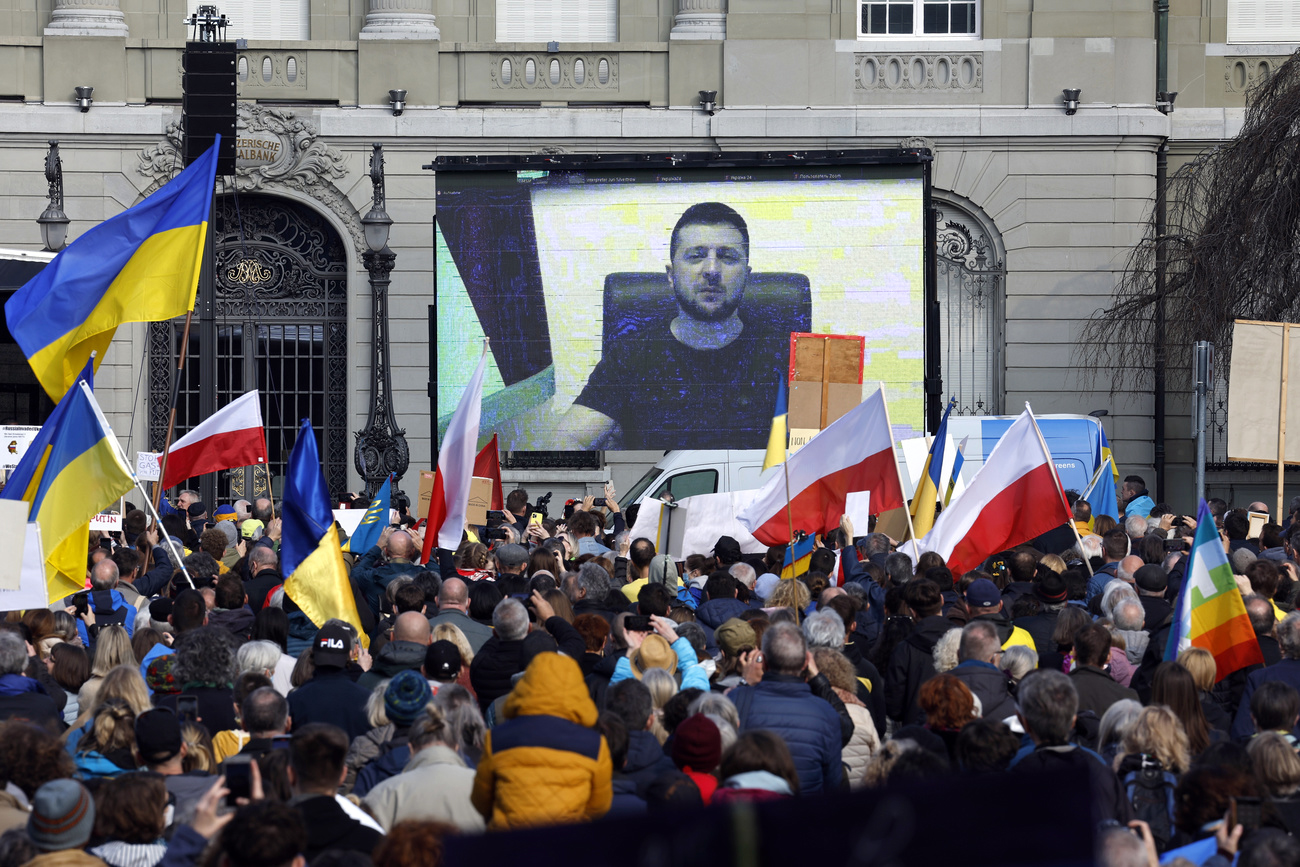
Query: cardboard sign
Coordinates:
[14,440]
[480,498]
[13,533]
[147,466]
[107,522]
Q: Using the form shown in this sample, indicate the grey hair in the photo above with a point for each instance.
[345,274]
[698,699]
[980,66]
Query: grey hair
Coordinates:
[900,569]
[785,648]
[1135,527]
[858,592]
[715,704]
[744,573]
[874,543]
[824,629]
[510,618]
[1018,660]
[397,584]
[1129,615]
[698,638]
[594,579]
[1116,721]
[104,575]
[1048,702]
[1120,847]
[431,727]
[1091,547]
[725,729]
[206,655]
[13,653]
[258,656]
[1288,635]
[945,651]
[1115,593]
[466,729]
[376,713]
[979,640]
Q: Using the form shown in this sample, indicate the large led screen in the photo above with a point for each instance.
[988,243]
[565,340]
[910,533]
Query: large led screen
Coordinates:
[652,309]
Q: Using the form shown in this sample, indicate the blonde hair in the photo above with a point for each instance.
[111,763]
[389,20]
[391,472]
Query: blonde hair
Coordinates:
[1276,763]
[451,632]
[113,728]
[662,686]
[879,765]
[1157,732]
[376,714]
[1200,662]
[122,683]
[112,648]
[198,749]
[945,651]
[837,668]
[431,727]
[789,593]
[1053,562]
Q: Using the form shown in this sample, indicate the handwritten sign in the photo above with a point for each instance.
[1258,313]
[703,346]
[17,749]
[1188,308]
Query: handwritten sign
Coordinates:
[109,522]
[147,466]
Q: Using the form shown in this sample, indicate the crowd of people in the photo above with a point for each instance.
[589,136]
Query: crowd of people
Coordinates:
[562,671]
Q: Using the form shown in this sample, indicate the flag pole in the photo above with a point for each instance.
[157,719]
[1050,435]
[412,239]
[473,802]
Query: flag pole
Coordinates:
[1056,478]
[911,531]
[171,417]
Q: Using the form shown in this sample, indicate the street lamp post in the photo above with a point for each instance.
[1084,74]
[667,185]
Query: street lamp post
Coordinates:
[381,445]
[53,221]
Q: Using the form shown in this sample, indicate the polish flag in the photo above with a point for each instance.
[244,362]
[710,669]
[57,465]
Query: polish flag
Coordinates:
[1015,497]
[855,453]
[450,501]
[488,466]
[231,437]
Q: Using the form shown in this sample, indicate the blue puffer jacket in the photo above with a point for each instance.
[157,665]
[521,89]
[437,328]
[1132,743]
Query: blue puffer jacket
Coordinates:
[301,633]
[713,614]
[810,727]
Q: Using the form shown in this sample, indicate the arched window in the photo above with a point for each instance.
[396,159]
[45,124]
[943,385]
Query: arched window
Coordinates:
[971,270]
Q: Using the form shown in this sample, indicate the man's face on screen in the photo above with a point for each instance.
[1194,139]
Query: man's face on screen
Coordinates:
[709,270]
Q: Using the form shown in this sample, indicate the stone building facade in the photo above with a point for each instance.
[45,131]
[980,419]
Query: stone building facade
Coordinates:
[1037,208]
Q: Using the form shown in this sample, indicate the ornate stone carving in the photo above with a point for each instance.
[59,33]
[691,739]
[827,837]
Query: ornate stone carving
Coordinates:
[917,142]
[920,71]
[700,19]
[400,19]
[563,71]
[86,18]
[1240,74]
[304,162]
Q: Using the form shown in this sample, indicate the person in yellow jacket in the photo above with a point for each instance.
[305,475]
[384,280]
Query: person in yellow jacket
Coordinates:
[984,600]
[546,763]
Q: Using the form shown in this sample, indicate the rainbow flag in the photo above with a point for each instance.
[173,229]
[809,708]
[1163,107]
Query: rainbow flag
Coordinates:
[1210,612]
[797,555]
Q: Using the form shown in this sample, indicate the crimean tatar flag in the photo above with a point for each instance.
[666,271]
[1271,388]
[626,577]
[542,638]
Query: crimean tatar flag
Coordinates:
[1210,612]
[373,521]
[140,266]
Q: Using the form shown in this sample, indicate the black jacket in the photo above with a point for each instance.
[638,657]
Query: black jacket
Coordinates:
[1040,628]
[911,665]
[497,661]
[258,587]
[396,657]
[989,685]
[331,697]
[645,759]
[1109,798]
[875,700]
[328,827]
[1097,689]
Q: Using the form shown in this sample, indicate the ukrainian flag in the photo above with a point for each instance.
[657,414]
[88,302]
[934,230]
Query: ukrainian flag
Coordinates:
[927,490]
[797,556]
[373,521]
[312,561]
[779,439]
[79,473]
[1101,492]
[140,266]
[1103,453]
[956,470]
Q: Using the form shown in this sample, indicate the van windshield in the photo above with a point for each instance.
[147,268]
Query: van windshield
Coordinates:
[640,487]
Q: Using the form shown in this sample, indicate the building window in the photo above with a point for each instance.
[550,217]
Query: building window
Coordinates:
[1266,21]
[262,19]
[918,18]
[557,20]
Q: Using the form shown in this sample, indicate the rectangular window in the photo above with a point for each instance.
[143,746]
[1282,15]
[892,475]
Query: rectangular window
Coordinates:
[918,18]
[262,19]
[557,20]
[1263,21]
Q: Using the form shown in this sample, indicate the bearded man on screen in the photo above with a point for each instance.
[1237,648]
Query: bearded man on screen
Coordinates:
[707,377]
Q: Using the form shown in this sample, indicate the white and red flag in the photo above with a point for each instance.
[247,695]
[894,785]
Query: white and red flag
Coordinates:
[450,501]
[1015,497]
[854,453]
[232,437]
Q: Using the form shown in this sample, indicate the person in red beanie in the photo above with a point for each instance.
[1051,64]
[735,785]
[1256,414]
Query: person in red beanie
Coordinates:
[697,750]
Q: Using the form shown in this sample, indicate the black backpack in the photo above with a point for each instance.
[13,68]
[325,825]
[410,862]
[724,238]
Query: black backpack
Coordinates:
[1150,789]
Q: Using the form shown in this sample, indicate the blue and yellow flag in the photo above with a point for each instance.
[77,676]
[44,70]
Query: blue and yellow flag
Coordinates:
[23,480]
[927,489]
[956,470]
[1101,494]
[80,472]
[140,266]
[311,559]
[373,521]
[797,556]
[1103,452]
[778,440]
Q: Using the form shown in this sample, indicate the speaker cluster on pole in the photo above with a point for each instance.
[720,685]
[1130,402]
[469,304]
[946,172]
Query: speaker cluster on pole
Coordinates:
[208,106]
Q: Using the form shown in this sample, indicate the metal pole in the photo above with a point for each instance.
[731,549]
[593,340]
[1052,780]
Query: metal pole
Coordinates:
[1204,354]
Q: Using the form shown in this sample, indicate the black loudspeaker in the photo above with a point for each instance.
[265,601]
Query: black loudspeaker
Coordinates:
[208,107]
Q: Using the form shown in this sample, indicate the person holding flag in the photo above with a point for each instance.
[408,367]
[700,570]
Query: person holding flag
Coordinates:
[373,522]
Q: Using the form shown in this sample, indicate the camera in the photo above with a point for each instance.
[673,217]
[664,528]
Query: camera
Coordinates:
[542,503]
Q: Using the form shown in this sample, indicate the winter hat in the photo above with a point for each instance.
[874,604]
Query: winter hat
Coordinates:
[225,513]
[228,529]
[251,529]
[160,675]
[1051,589]
[442,660]
[158,735]
[333,647]
[983,593]
[406,696]
[197,510]
[766,583]
[697,744]
[655,652]
[733,635]
[63,815]
[1151,578]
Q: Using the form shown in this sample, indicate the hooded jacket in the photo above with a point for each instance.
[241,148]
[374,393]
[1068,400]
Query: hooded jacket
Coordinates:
[237,621]
[330,827]
[545,763]
[435,785]
[395,658]
[989,685]
[910,666]
[23,698]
